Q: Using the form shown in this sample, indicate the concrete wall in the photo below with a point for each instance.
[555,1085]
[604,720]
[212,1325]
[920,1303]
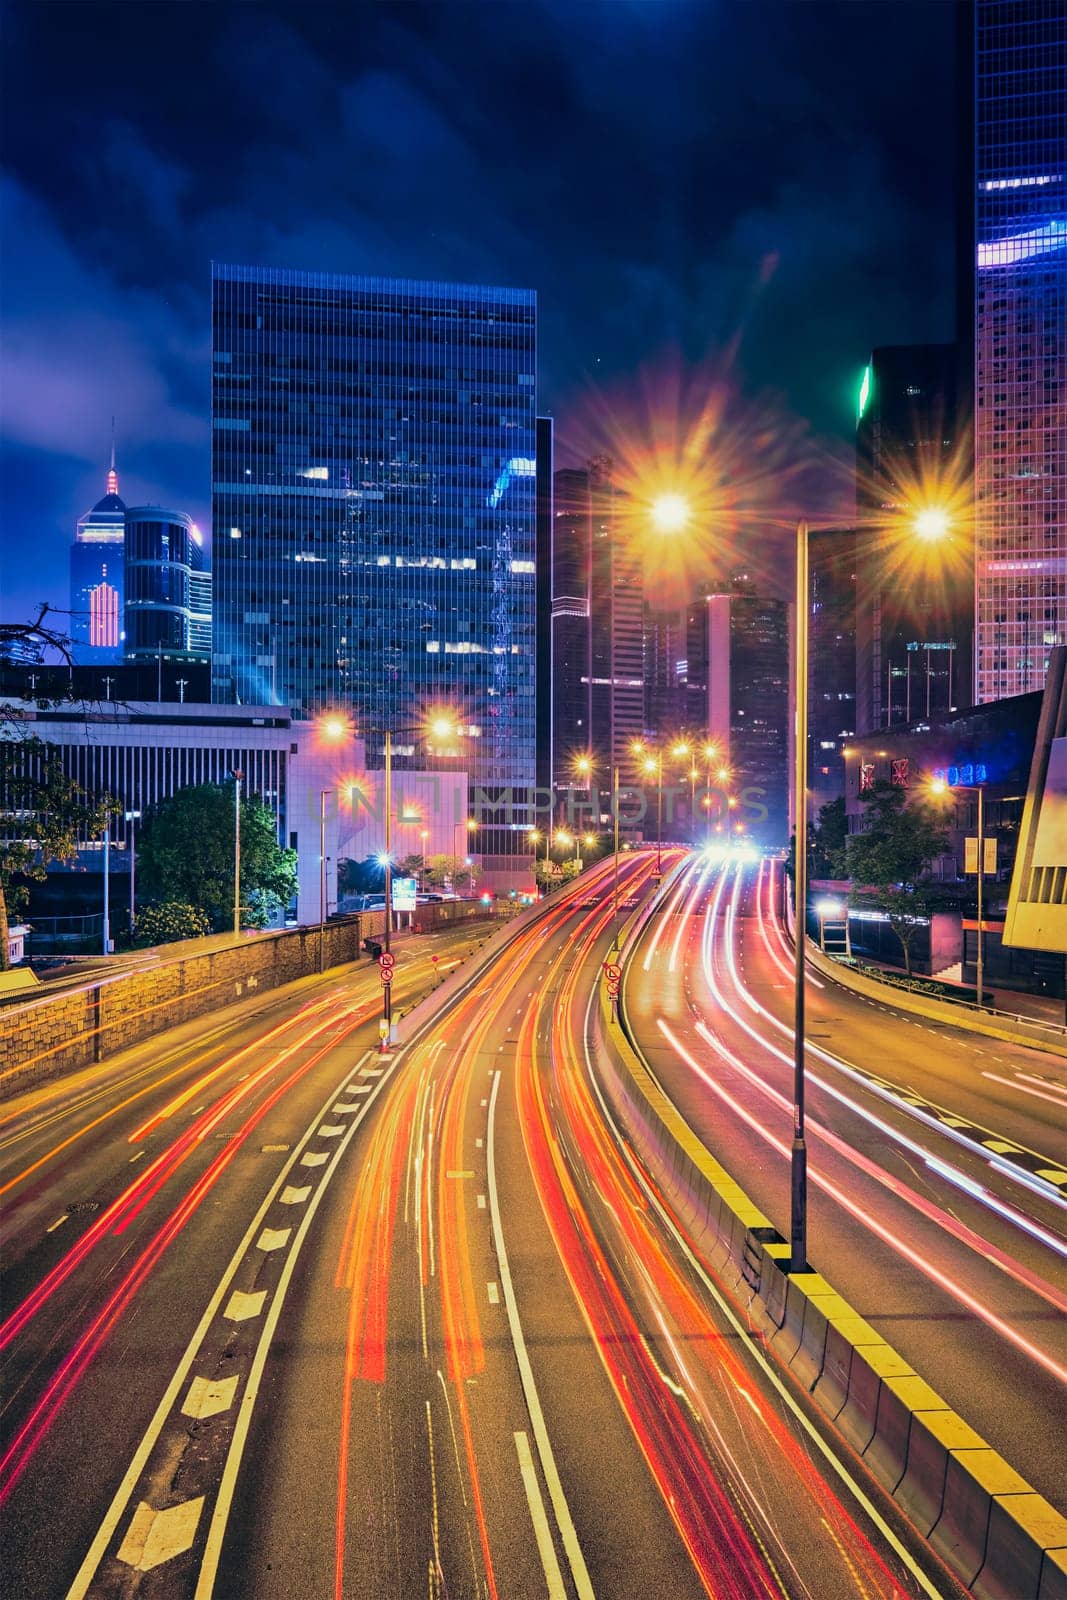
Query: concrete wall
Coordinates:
[45,1036]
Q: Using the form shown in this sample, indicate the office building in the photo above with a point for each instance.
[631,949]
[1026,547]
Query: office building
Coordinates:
[616,627]
[199,597]
[97,578]
[373,511]
[572,545]
[1017,80]
[160,551]
[738,673]
[914,597]
[544,517]
[666,670]
[140,753]
[832,668]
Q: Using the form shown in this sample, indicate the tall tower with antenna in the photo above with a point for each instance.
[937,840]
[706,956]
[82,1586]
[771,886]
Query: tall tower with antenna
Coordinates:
[97,576]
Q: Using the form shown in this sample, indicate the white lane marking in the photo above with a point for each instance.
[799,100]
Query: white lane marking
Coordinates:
[744,1338]
[241,1306]
[494,1294]
[360,1088]
[539,1517]
[331,1130]
[138,1157]
[343,1108]
[272,1149]
[1013,1083]
[206,1397]
[478,1144]
[120,1500]
[314,1158]
[273,1238]
[196,1113]
[485,1102]
[372,1072]
[157,1536]
[573,1549]
[481,1202]
[58,1223]
[291,1196]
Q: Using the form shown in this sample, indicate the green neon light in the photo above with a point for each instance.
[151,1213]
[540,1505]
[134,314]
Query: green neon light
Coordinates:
[865,390]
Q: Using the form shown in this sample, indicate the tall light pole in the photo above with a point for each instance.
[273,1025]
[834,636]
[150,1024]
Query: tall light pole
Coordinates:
[798,1221]
[615,873]
[131,817]
[322,878]
[653,766]
[107,887]
[237,776]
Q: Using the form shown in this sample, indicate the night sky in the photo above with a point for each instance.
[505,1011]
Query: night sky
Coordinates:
[676,179]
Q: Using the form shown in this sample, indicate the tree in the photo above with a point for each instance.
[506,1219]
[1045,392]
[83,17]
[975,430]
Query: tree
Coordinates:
[889,858]
[443,871]
[44,815]
[828,845]
[163,924]
[185,853]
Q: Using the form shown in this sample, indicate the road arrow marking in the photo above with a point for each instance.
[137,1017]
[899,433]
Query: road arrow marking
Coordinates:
[206,1398]
[242,1306]
[294,1197]
[157,1536]
[273,1238]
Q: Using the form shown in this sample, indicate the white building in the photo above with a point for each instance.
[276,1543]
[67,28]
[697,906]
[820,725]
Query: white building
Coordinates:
[141,752]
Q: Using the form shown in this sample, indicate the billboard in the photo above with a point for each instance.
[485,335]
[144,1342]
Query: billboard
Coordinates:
[404,890]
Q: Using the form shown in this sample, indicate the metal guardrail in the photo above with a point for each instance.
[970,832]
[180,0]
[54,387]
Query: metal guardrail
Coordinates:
[1057,1030]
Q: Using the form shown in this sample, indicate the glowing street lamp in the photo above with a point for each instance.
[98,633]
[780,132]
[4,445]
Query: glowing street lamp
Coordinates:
[652,766]
[333,728]
[932,523]
[670,513]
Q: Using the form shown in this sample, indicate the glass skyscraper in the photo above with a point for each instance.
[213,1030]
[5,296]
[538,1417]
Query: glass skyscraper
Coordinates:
[97,560]
[1020,341]
[373,505]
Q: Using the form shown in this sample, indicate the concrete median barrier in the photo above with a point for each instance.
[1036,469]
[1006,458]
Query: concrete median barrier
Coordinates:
[1000,1538]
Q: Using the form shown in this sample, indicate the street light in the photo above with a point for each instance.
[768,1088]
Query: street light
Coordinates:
[236,774]
[131,817]
[322,878]
[939,787]
[471,825]
[652,766]
[107,886]
[440,727]
[670,513]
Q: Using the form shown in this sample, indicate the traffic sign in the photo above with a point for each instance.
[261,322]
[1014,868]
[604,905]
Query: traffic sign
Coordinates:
[612,970]
[387,960]
[386,975]
[613,987]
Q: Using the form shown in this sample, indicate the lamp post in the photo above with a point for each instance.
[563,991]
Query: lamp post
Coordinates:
[615,871]
[237,775]
[471,826]
[131,817]
[107,887]
[711,753]
[322,878]
[798,1219]
[653,766]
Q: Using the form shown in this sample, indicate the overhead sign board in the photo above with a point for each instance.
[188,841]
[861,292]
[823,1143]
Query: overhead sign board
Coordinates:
[404,891]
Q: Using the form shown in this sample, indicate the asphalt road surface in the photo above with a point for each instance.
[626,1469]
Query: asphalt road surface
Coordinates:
[925,1143]
[285,1317]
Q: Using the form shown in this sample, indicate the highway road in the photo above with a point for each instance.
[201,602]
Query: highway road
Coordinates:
[927,1211]
[411,1325]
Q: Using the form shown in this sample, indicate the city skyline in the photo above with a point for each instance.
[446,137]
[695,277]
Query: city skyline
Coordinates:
[795,299]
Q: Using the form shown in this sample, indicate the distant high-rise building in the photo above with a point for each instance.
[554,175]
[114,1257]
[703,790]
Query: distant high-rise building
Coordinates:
[97,578]
[666,670]
[199,597]
[1017,77]
[913,626]
[572,555]
[616,646]
[545,518]
[373,509]
[159,565]
[832,671]
[738,671]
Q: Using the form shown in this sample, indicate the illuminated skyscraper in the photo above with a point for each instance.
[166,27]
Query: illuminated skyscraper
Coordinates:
[373,505]
[1019,67]
[161,555]
[97,560]
[913,628]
